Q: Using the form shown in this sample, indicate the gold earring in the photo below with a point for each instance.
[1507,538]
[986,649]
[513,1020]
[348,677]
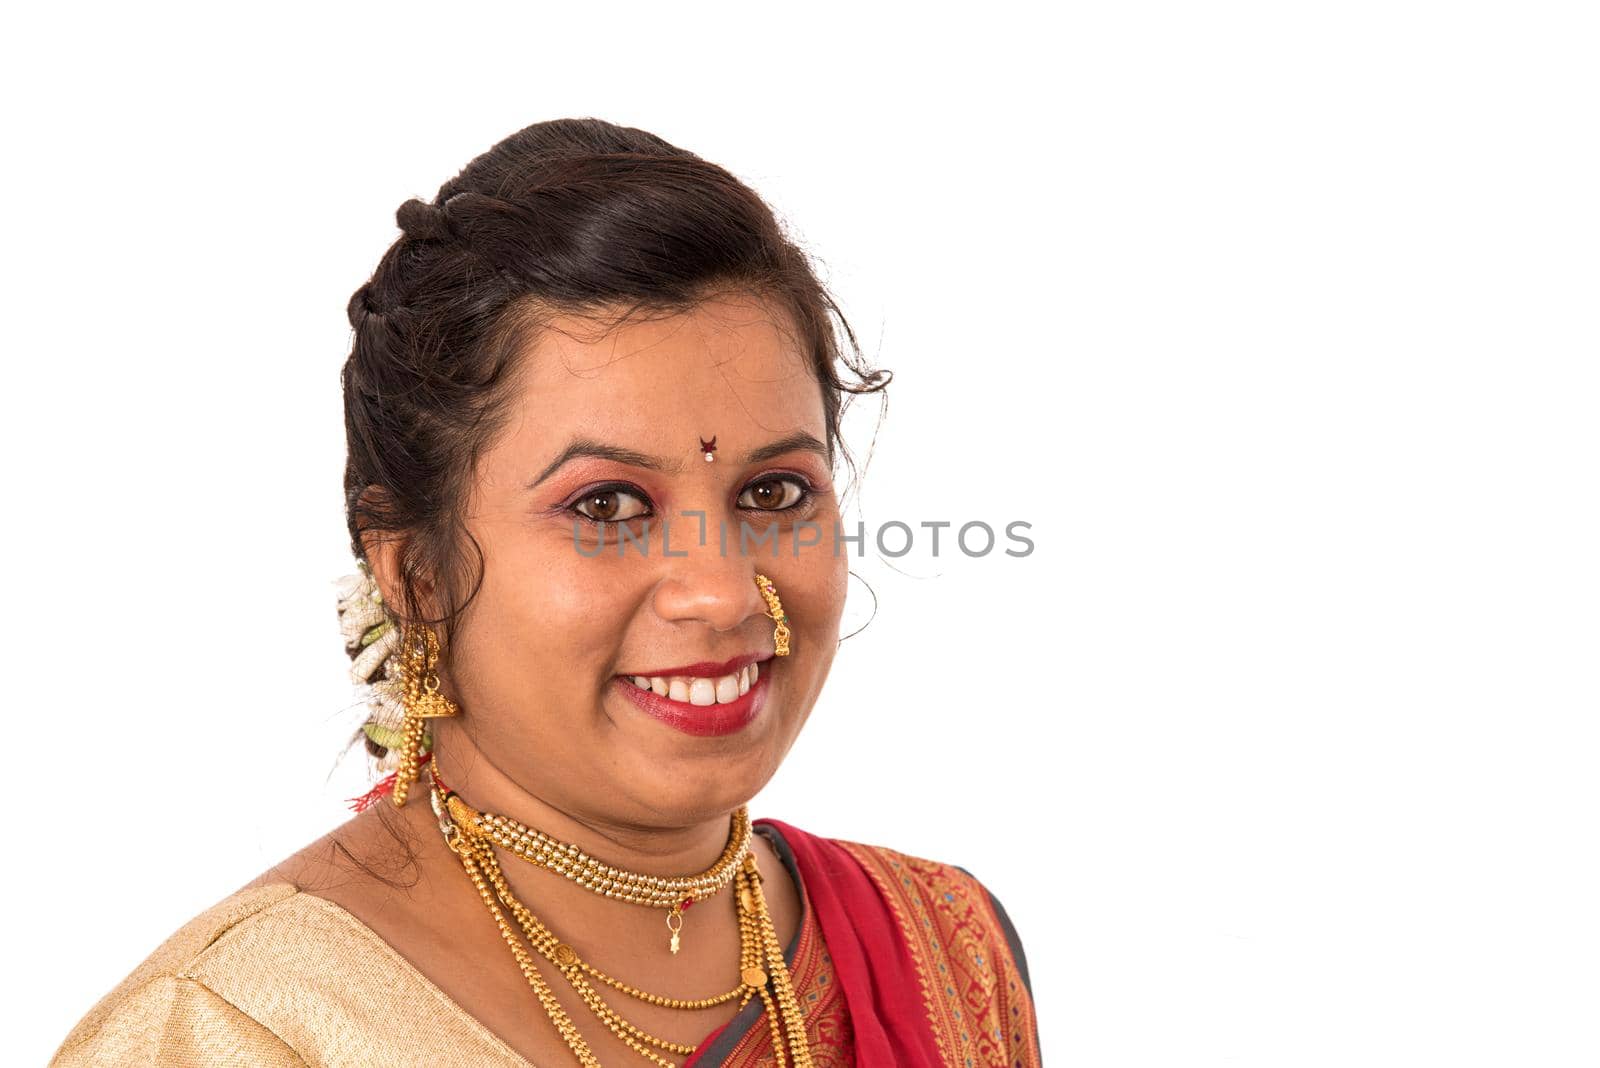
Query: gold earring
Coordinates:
[780,633]
[419,653]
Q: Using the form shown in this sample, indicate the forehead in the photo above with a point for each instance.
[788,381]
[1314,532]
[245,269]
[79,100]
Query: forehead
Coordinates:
[732,367]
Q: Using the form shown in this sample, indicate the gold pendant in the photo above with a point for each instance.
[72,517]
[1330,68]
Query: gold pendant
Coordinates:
[675,914]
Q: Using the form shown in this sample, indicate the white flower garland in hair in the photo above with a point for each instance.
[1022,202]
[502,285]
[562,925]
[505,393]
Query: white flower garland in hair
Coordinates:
[372,639]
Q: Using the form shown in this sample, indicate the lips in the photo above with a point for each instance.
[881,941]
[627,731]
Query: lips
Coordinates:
[705,668]
[701,704]
[700,689]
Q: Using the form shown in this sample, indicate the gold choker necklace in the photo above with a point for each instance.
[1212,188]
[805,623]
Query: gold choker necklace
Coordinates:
[762,970]
[673,894]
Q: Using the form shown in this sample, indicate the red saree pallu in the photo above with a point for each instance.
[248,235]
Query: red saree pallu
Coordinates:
[899,961]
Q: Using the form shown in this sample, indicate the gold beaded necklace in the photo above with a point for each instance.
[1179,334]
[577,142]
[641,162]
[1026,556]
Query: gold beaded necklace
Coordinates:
[673,894]
[762,970]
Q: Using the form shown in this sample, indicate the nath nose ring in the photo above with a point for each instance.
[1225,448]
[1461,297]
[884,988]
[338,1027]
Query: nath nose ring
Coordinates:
[780,633]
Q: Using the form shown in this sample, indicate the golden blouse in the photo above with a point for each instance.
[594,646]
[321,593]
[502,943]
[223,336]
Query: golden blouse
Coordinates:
[269,971]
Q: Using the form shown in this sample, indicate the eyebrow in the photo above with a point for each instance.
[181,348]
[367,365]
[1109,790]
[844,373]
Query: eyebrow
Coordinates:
[798,440]
[634,458]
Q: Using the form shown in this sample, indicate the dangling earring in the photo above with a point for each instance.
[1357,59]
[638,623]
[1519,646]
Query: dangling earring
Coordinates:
[419,653]
[780,633]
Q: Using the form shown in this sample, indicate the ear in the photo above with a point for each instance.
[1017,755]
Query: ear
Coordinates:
[385,553]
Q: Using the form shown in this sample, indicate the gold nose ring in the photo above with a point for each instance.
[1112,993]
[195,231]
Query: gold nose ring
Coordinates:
[780,633]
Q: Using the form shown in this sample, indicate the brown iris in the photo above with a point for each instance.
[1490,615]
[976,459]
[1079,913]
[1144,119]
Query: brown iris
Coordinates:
[769,494]
[611,504]
[602,505]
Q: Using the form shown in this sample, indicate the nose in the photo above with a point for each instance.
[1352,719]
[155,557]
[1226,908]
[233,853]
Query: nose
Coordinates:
[708,586]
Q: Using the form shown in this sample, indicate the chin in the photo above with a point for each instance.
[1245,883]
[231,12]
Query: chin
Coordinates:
[685,804]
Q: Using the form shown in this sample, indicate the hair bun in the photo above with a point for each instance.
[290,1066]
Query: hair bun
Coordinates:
[362,304]
[422,221]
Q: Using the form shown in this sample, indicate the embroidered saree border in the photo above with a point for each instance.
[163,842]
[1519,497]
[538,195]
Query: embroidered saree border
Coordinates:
[977,1001]
[944,972]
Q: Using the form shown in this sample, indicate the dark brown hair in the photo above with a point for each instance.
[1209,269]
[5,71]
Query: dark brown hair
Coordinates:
[572,216]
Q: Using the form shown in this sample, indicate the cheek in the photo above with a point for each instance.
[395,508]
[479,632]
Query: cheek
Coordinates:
[819,579]
[575,616]
[548,623]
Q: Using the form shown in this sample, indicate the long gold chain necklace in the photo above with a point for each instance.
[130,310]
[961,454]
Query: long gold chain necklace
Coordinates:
[760,956]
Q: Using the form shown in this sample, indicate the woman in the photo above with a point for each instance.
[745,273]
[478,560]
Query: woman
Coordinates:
[593,388]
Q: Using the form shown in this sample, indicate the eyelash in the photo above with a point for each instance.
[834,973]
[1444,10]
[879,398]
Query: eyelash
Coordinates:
[807,494]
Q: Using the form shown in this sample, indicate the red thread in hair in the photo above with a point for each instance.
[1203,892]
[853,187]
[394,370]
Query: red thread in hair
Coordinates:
[384,787]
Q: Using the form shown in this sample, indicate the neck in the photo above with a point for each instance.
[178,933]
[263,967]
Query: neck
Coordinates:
[610,933]
[649,849]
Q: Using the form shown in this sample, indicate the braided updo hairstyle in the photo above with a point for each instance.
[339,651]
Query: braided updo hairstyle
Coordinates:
[568,217]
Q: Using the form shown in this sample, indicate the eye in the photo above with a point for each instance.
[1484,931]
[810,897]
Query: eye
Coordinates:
[610,504]
[774,494]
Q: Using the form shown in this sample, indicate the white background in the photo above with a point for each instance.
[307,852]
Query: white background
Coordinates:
[1277,321]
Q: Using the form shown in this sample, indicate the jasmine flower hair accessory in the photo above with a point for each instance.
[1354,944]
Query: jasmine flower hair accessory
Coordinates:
[373,639]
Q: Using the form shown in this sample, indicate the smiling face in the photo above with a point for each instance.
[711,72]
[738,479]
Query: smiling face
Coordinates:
[559,660]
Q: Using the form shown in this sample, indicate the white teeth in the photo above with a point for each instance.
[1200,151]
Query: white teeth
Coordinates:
[700,691]
[755,673]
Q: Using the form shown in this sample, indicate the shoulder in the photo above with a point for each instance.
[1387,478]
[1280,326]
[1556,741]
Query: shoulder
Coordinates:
[165,1006]
[275,976]
[949,896]
[965,958]
[939,904]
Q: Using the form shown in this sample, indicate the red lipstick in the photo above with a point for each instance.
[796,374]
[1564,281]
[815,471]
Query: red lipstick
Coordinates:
[703,669]
[701,720]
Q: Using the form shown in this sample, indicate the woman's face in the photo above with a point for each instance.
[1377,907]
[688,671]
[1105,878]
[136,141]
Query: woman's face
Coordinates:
[545,657]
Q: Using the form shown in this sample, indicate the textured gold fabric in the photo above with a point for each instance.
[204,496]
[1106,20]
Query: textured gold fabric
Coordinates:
[271,971]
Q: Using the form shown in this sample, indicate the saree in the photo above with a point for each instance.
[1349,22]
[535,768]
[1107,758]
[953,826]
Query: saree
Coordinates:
[921,966]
